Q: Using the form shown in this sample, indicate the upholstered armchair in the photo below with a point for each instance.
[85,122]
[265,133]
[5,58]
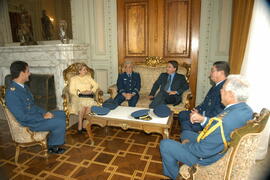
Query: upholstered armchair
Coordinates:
[240,157]
[22,136]
[149,71]
[69,72]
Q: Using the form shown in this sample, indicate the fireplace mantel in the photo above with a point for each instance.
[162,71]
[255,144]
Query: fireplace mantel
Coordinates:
[44,59]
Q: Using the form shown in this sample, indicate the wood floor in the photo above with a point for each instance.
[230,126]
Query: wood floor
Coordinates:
[116,154]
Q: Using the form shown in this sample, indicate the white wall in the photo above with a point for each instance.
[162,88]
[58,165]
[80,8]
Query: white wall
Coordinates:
[94,22]
[215,28]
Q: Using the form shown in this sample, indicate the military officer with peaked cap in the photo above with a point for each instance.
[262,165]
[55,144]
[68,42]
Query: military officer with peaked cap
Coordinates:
[128,85]
[211,144]
[20,102]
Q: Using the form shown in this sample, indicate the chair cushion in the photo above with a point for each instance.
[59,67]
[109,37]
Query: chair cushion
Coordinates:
[19,133]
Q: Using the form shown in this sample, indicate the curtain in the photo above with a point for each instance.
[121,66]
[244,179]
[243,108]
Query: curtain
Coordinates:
[256,66]
[241,16]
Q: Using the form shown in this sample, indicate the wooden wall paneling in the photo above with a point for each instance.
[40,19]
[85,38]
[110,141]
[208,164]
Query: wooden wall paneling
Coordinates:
[132,17]
[156,27]
[195,31]
[136,31]
[165,28]
[177,28]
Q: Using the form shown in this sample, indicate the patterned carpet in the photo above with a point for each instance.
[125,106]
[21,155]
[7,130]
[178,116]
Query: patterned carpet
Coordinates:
[116,155]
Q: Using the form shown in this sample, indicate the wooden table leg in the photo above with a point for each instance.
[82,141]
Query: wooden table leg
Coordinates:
[166,133]
[89,132]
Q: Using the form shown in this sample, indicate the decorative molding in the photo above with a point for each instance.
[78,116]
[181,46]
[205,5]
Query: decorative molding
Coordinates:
[99,28]
[136,30]
[178,21]
[92,19]
[45,59]
[5,30]
[214,43]
[111,26]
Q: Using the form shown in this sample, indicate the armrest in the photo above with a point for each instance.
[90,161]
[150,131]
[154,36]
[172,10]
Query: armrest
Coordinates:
[98,96]
[186,98]
[112,91]
[186,172]
[66,100]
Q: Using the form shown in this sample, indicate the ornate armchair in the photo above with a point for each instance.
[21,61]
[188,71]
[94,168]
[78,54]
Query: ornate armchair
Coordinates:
[150,71]
[240,157]
[22,136]
[68,73]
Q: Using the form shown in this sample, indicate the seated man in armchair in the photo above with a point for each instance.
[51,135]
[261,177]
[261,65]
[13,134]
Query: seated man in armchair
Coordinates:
[211,144]
[171,85]
[211,105]
[128,85]
[20,102]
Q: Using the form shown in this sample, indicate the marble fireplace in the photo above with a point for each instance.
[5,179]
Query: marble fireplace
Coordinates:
[44,59]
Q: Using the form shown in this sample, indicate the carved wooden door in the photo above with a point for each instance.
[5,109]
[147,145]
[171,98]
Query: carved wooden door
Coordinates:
[165,28]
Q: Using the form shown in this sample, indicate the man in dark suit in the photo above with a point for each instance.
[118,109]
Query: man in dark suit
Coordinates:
[20,102]
[212,143]
[211,106]
[128,85]
[171,85]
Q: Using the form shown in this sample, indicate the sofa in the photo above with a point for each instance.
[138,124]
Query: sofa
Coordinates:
[149,71]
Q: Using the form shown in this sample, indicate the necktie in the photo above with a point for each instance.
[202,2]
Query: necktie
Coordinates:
[168,83]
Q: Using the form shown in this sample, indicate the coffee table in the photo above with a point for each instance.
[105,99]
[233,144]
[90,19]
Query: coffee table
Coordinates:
[121,117]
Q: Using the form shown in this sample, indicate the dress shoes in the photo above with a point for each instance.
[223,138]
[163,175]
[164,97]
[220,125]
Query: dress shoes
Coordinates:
[56,150]
[82,130]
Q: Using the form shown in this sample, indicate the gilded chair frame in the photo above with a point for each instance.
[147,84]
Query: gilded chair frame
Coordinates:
[42,143]
[73,69]
[227,163]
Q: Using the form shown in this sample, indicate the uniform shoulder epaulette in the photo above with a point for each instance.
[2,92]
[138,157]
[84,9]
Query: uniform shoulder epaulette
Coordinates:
[222,115]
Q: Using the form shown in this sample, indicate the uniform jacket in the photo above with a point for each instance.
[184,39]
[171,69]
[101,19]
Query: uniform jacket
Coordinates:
[20,102]
[208,149]
[127,84]
[178,84]
[211,104]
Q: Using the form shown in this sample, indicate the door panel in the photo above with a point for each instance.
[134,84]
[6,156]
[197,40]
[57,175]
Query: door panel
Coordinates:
[136,29]
[165,28]
[177,31]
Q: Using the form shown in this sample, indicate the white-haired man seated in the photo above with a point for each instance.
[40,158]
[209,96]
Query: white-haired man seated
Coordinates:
[211,144]
[128,86]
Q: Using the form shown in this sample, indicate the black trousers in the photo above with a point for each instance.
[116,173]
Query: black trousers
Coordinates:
[163,98]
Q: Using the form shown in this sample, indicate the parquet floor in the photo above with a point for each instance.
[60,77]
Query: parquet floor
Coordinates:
[116,155]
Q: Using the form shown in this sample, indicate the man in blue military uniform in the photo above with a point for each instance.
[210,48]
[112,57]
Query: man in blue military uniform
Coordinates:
[128,85]
[171,85]
[211,144]
[211,106]
[20,102]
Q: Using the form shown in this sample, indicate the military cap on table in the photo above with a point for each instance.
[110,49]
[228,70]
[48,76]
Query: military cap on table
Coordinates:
[141,114]
[109,103]
[162,111]
[98,110]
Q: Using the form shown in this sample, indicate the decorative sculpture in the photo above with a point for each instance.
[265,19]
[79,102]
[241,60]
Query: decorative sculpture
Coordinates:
[63,32]
[25,32]
[47,26]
